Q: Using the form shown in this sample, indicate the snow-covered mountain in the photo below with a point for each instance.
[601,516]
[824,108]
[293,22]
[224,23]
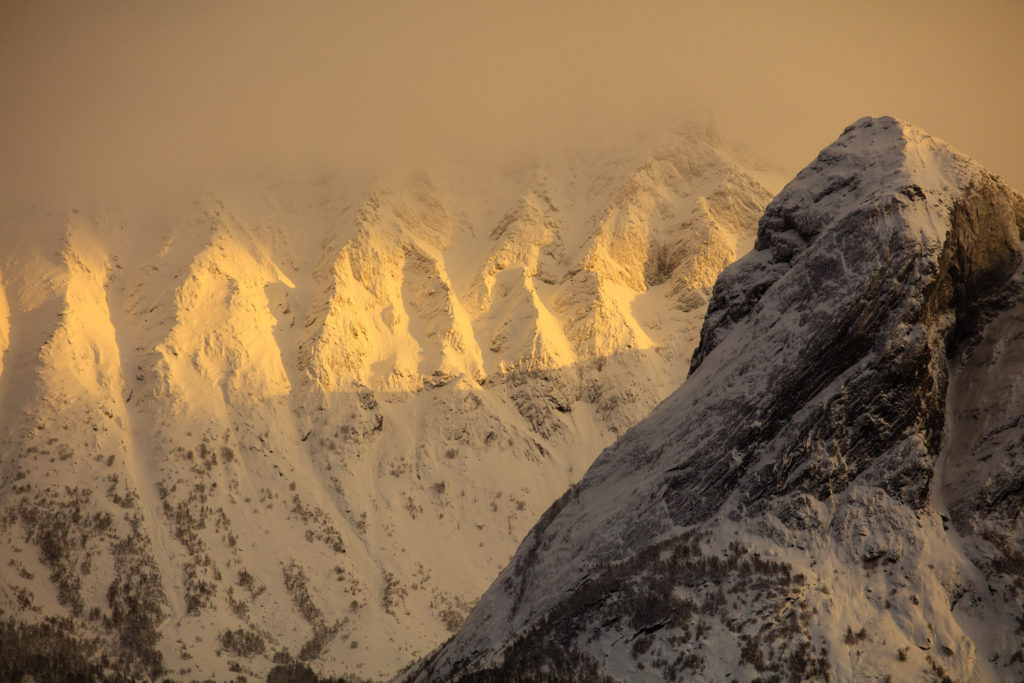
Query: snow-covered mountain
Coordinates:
[312,421]
[835,492]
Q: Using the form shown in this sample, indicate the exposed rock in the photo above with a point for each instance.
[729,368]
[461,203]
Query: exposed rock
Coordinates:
[855,388]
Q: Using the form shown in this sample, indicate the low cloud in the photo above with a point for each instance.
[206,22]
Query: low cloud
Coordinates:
[142,94]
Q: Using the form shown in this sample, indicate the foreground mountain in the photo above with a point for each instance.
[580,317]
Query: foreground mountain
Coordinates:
[835,492]
[312,421]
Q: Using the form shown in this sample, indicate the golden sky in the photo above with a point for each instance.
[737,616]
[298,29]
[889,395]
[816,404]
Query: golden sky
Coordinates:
[148,91]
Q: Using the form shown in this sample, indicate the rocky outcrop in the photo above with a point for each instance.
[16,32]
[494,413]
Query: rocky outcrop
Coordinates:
[833,492]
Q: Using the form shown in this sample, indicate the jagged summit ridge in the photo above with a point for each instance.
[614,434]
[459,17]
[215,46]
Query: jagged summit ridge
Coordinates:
[874,162]
[785,511]
[312,421]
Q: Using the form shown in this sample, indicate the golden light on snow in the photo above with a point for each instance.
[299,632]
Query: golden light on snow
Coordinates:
[314,311]
[363,374]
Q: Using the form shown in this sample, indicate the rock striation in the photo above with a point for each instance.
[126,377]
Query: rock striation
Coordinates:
[835,491]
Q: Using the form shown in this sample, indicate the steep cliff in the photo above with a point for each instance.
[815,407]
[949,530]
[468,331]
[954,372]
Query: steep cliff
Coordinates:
[834,492]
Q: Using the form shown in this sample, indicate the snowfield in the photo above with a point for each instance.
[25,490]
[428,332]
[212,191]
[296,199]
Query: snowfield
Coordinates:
[311,421]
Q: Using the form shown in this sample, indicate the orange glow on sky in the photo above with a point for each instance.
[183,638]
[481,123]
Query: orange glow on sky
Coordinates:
[145,92]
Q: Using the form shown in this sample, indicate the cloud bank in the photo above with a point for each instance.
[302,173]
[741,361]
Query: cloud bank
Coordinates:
[146,93]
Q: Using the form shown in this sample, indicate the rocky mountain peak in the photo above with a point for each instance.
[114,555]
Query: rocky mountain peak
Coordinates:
[876,165]
[834,490]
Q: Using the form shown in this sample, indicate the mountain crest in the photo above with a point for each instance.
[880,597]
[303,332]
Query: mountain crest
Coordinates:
[877,167]
[824,492]
[261,424]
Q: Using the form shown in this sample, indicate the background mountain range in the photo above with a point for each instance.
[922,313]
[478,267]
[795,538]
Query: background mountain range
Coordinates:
[313,420]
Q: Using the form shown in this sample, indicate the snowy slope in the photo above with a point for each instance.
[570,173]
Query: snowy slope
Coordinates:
[312,420]
[835,491]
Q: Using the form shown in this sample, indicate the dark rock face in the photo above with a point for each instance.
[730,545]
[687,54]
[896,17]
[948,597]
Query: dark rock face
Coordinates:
[857,385]
[892,383]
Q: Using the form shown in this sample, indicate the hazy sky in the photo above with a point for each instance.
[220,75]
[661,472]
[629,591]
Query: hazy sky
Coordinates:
[148,91]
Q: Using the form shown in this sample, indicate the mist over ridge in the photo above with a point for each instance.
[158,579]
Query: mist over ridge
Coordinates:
[140,95]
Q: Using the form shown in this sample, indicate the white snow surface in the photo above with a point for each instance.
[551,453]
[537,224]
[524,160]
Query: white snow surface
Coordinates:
[322,415]
[854,413]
